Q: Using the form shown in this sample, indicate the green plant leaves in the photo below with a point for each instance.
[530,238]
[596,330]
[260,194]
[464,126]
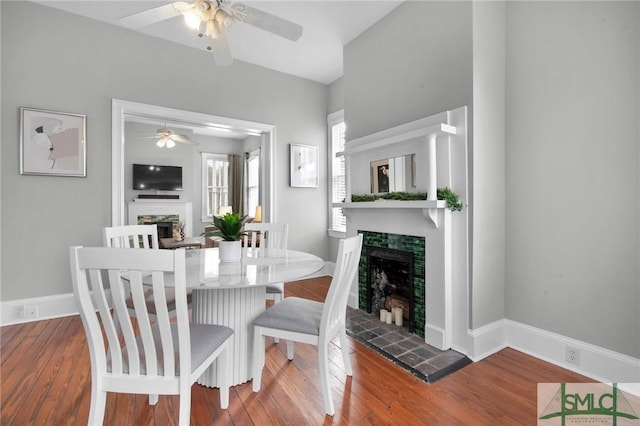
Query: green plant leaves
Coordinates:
[229,227]
[400,196]
[452,199]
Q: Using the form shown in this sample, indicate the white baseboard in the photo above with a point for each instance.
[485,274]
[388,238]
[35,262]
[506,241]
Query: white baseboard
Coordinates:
[488,339]
[434,336]
[60,305]
[594,362]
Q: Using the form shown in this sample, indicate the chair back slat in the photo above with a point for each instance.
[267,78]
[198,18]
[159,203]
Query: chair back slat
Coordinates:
[335,305]
[269,235]
[131,236]
[106,319]
[146,343]
[182,316]
[163,325]
[147,346]
[120,291]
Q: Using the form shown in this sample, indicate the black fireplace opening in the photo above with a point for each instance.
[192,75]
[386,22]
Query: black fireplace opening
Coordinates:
[390,282]
[165,229]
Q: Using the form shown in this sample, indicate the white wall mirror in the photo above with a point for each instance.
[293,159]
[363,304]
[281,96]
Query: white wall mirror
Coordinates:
[131,123]
[394,174]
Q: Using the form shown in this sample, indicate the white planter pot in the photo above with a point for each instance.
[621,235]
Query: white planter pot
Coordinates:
[230,251]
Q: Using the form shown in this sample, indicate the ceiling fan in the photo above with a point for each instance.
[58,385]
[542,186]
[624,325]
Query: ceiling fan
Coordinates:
[168,138]
[211,19]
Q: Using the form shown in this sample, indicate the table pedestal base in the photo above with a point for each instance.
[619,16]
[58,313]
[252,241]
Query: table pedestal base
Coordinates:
[235,308]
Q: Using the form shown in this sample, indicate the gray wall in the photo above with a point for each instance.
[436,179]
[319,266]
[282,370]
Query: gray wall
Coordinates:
[390,70]
[488,164]
[59,61]
[561,250]
[336,96]
[572,170]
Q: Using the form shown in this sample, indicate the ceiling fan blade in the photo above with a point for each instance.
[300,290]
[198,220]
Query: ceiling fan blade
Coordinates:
[181,138]
[273,24]
[150,16]
[220,49]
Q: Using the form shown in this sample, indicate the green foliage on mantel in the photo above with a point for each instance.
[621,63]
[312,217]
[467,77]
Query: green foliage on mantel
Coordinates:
[452,199]
[398,196]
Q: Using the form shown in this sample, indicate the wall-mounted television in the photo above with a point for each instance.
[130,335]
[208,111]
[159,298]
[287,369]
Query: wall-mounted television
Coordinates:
[155,177]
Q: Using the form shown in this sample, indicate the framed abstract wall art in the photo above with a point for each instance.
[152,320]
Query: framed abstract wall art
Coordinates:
[52,143]
[304,166]
[379,176]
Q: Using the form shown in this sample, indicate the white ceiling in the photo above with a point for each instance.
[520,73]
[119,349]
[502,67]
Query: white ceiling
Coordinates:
[197,128]
[317,55]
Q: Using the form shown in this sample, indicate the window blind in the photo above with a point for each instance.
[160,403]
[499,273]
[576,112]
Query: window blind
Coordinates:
[338,221]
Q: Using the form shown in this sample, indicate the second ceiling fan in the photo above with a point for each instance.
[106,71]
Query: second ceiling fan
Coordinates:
[212,18]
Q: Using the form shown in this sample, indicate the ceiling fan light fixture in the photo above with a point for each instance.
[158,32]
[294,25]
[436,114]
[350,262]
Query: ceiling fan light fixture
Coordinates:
[160,143]
[211,29]
[192,20]
[223,18]
[212,18]
[170,143]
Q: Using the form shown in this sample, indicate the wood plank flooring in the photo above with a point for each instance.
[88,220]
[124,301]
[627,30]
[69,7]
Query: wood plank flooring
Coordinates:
[46,379]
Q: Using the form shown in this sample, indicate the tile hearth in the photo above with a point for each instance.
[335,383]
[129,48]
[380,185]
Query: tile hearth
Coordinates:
[403,348]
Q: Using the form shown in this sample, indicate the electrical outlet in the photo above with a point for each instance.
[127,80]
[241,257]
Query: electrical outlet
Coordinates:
[18,312]
[32,312]
[573,355]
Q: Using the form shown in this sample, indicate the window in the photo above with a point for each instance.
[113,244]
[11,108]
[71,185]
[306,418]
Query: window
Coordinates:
[253,182]
[215,184]
[337,188]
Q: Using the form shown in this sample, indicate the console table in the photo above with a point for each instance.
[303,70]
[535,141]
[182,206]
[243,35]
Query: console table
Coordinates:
[172,244]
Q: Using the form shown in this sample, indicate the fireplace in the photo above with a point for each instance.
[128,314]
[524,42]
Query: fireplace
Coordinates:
[165,229]
[392,274]
[390,281]
[167,225]
[438,238]
[169,215]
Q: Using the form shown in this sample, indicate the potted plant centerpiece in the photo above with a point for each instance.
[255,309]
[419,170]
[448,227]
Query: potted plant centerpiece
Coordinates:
[230,229]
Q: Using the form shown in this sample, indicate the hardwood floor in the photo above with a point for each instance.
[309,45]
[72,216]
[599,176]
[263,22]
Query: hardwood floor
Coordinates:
[46,379]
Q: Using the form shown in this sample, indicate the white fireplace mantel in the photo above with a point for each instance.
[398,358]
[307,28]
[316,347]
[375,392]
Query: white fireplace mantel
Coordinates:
[432,130]
[440,145]
[155,207]
[426,207]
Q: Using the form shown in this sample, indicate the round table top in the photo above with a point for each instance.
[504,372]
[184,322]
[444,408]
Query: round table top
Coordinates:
[257,267]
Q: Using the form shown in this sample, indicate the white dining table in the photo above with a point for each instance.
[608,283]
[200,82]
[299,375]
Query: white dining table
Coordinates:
[234,294]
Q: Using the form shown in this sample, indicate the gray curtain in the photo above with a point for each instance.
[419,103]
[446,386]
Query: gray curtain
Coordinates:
[236,183]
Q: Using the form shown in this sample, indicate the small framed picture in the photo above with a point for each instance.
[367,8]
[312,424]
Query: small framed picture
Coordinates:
[304,166]
[52,143]
[379,176]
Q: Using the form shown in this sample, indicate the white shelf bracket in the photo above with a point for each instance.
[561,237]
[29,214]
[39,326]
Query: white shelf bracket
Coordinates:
[431,214]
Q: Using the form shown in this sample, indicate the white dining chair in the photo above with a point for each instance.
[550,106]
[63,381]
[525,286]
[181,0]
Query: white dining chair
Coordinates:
[140,236]
[308,321]
[269,235]
[165,357]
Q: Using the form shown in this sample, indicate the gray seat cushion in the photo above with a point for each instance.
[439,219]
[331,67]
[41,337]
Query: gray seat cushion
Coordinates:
[205,339]
[275,288]
[170,294]
[293,314]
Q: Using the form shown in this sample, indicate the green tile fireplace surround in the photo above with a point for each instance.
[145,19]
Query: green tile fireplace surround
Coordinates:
[413,244]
